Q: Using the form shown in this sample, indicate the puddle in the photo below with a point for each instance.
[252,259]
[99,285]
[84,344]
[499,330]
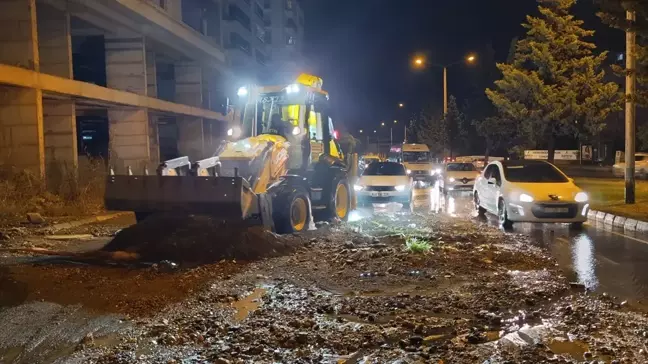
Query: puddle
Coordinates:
[248,304]
[576,349]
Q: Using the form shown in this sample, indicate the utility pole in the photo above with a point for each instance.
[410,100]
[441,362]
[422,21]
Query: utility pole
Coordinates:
[630,108]
[445,91]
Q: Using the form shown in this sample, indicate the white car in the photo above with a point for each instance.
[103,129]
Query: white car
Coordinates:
[458,176]
[641,166]
[383,182]
[529,191]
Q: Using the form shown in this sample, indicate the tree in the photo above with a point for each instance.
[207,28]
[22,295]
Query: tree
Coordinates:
[613,13]
[554,85]
[497,131]
[456,127]
[429,127]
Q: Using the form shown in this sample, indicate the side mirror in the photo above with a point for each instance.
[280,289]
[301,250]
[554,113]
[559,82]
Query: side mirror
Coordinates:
[492,181]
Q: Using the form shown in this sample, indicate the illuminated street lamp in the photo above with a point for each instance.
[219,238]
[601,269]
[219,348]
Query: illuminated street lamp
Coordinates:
[382,124]
[360,131]
[401,105]
[395,121]
[419,62]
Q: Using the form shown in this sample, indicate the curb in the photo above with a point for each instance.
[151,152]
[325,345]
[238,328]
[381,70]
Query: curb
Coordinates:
[89,220]
[618,221]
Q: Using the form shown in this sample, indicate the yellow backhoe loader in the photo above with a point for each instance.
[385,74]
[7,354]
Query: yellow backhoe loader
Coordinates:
[281,165]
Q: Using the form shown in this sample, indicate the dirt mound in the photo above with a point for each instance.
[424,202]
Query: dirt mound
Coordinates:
[198,239]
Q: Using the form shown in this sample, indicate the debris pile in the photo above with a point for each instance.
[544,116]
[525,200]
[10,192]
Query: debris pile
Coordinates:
[198,239]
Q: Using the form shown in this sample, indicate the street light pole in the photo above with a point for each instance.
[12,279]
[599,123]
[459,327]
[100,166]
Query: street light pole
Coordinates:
[630,109]
[445,91]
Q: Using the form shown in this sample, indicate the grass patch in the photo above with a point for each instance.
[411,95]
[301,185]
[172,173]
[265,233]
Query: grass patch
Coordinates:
[608,195]
[417,245]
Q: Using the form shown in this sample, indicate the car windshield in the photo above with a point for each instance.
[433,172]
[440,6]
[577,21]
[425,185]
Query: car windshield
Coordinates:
[540,173]
[416,156]
[460,167]
[385,169]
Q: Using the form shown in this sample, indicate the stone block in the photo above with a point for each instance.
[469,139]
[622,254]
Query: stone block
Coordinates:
[600,216]
[609,219]
[619,221]
[630,224]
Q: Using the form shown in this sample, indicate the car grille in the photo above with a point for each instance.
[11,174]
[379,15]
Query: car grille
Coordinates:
[464,180]
[538,211]
[381,188]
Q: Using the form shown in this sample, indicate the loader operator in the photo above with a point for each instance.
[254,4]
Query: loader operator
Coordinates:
[284,128]
[280,127]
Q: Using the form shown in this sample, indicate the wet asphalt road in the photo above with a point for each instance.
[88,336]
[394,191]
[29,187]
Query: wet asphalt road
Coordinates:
[602,258]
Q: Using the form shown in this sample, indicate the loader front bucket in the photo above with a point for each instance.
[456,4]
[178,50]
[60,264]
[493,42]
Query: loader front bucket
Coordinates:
[229,198]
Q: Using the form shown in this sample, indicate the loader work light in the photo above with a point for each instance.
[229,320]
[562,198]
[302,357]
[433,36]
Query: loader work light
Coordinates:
[242,92]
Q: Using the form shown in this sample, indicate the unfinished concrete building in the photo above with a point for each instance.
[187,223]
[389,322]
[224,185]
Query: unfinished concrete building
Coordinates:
[133,81]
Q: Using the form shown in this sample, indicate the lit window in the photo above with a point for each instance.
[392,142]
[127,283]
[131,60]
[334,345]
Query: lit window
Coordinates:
[289,4]
[290,40]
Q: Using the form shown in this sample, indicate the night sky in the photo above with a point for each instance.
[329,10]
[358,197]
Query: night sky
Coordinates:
[362,49]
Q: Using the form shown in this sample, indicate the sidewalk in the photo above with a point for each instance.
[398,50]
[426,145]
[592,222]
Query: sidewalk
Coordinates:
[608,203]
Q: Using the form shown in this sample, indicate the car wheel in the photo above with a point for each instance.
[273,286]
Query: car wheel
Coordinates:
[503,215]
[480,210]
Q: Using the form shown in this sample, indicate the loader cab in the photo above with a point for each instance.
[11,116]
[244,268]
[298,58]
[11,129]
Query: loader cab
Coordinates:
[298,113]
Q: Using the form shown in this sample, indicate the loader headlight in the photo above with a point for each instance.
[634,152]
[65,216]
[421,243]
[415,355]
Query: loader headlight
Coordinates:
[358,187]
[296,131]
[409,171]
[400,188]
[292,89]
[525,198]
[242,91]
[234,132]
[451,179]
[581,197]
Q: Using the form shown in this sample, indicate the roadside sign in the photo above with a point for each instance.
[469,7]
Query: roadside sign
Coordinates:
[559,155]
[586,152]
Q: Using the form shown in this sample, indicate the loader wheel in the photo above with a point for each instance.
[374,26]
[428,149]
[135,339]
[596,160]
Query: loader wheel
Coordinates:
[340,201]
[293,214]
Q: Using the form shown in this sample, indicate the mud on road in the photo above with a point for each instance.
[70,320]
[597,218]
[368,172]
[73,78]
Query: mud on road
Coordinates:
[346,293]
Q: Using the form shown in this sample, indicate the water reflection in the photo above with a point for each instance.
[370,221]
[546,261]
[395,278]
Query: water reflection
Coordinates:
[584,261]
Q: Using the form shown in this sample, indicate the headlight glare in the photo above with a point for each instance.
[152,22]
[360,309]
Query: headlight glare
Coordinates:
[400,188]
[451,179]
[581,197]
[409,171]
[525,198]
[358,187]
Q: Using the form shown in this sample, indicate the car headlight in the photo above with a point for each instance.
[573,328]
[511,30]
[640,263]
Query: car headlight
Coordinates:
[433,172]
[581,197]
[525,198]
[438,171]
[409,171]
[451,179]
[358,187]
[400,188]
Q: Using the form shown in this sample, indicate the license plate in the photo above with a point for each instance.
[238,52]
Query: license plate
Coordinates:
[556,210]
[379,194]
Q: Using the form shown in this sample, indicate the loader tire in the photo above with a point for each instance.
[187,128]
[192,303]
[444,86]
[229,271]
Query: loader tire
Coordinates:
[291,212]
[339,202]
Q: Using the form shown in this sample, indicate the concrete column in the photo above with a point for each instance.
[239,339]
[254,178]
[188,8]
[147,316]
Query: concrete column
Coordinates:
[21,129]
[59,116]
[189,82]
[18,34]
[128,127]
[126,63]
[59,124]
[21,110]
[151,75]
[54,41]
[190,137]
[129,139]
[154,140]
